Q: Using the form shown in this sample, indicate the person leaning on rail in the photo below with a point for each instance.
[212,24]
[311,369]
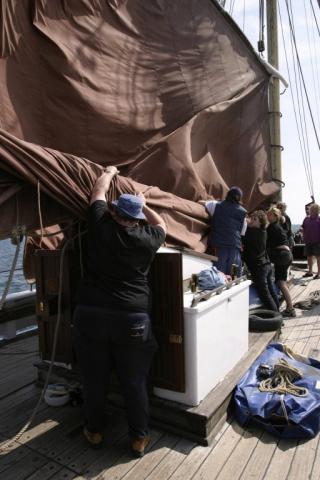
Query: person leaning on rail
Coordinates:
[112,325]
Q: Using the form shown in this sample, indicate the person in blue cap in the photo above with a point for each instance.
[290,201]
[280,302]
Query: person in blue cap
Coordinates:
[228,224]
[112,326]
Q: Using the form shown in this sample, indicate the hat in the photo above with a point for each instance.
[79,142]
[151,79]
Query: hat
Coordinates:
[236,191]
[129,206]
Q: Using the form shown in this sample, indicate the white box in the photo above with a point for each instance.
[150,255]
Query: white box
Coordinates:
[215,338]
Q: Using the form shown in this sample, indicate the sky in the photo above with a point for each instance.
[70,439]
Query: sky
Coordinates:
[296,192]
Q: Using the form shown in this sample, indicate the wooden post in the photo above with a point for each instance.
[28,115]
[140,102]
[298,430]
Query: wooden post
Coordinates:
[274,91]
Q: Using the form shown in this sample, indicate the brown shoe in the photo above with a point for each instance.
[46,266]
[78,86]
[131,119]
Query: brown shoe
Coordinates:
[139,445]
[94,438]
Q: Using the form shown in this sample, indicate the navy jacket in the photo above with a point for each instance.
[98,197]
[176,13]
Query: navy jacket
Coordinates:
[226,225]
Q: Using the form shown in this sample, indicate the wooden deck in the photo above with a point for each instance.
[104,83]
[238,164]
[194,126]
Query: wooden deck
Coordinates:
[53,448]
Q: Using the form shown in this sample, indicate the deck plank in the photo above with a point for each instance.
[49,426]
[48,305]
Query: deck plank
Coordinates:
[240,454]
[24,467]
[303,460]
[280,463]
[171,461]
[54,447]
[196,457]
[219,455]
[119,460]
[260,457]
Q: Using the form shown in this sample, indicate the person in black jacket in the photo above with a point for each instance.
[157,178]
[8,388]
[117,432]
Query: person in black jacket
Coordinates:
[257,260]
[112,326]
[280,255]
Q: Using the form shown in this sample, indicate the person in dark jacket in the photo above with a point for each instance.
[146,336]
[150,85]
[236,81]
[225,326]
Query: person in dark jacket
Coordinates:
[112,326]
[257,260]
[311,235]
[228,224]
[280,255]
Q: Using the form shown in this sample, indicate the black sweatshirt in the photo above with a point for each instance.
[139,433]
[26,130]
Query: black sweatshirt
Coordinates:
[254,248]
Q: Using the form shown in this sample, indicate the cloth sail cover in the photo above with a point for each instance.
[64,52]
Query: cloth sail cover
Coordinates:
[267,409]
[169,92]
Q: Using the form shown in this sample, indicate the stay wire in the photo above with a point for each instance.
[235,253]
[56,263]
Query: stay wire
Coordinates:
[303,152]
[244,15]
[316,56]
[315,17]
[306,130]
[298,121]
[261,43]
[303,81]
[299,94]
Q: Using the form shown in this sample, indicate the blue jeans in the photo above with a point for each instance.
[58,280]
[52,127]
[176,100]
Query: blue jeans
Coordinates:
[263,281]
[104,340]
[226,257]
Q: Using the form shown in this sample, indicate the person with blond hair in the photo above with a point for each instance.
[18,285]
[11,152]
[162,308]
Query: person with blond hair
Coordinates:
[280,255]
[285,222]
[311,235]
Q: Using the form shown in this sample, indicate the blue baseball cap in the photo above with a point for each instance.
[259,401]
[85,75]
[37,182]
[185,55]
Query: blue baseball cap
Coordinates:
[129,206]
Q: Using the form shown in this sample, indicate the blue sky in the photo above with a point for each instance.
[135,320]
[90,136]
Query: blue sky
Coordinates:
[296,192]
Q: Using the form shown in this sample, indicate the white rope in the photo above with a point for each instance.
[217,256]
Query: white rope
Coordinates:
[16,235]
[7,445]
[281,380]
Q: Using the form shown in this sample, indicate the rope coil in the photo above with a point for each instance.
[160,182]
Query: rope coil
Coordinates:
[282,380]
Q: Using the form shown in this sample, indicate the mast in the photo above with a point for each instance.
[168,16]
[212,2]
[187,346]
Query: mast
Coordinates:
[274,91]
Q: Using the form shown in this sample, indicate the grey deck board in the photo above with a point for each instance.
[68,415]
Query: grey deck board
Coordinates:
[53,448]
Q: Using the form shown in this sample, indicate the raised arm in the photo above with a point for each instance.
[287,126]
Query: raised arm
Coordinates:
[102,184]
[152,217]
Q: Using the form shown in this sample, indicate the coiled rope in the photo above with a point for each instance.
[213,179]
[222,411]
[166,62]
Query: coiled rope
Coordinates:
[281,380]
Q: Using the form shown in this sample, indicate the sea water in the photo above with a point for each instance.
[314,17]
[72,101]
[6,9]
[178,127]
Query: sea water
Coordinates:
[7,252]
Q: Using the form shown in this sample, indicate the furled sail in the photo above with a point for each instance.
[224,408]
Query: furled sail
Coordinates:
[169,92]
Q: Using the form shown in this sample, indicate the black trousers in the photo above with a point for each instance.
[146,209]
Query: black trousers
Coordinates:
[263,281]
[104,340]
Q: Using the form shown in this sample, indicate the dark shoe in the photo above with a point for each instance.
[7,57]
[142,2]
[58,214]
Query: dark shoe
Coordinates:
[316,277]
[289,313]
[308,274]
[95,439]
[139,445]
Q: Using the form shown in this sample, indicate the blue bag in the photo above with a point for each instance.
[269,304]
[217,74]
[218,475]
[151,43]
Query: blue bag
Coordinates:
[210,278]
[284,415]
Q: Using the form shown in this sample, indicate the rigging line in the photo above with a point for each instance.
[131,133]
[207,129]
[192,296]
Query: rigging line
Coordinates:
[303,113]
[316,56]
[303,107]
[293,101]
[295,84]
[315,17]
[244,15]
[300,99]
[231,7]
[315,90]
[40,213]
[261,44]
[261,19]
[304,86]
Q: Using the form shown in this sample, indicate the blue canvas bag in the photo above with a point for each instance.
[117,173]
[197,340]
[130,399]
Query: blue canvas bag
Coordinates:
[285,415]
